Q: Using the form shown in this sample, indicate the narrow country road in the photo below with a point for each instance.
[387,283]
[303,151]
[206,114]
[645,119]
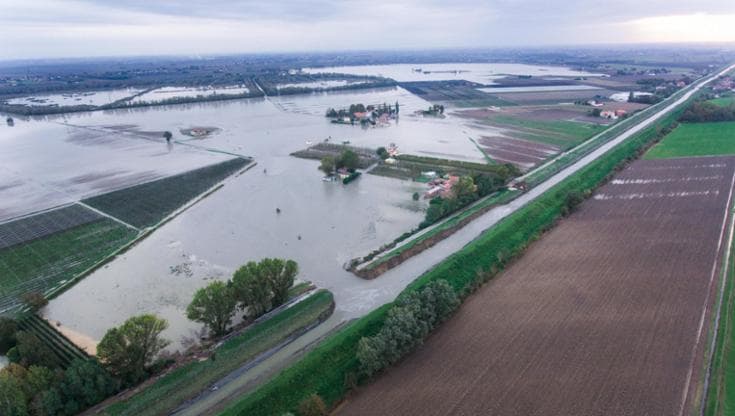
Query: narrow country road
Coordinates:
[396,279]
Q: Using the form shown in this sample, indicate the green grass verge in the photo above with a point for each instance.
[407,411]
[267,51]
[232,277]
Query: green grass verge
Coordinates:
[329,369]
[174,388]
[45,263]
[146,204]
[696,139]
[721,393]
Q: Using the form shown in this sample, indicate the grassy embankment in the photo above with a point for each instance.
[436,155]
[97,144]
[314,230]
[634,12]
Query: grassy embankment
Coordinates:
[720,400]
[454,220]
[146,204]
[43,264]
[696,139]
[186,382]
[329,370]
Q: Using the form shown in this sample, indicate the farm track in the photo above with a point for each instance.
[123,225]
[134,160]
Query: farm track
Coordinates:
[601,316]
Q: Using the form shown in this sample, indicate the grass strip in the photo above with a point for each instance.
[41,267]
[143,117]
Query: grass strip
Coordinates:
[186,382]
[720,398]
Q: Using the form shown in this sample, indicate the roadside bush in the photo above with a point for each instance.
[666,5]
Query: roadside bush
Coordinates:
[572,201]
[408,322]
[313,406]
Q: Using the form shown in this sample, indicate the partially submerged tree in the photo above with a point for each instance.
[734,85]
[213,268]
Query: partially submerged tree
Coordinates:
[280,275]
[167,135]
[261,286]
[214,306]
[251,289]
[328,164]
[348,160]
[127,351]
[382,153]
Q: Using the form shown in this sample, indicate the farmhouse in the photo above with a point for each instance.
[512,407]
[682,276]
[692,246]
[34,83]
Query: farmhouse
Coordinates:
[609,114]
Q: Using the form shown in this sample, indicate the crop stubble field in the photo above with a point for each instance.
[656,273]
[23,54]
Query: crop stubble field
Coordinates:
[600,316]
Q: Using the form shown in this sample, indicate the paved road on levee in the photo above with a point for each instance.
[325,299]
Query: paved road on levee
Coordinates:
[396,279]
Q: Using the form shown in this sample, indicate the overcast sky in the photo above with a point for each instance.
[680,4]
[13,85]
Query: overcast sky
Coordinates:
[59,28]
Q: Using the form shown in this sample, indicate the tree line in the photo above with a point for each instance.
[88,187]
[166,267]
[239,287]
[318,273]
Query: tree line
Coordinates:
[37,383]
[703,111]
[467,190]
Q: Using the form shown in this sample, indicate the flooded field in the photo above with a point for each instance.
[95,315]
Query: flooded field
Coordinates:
[319,84]
[48,163]
[480,73]
[238,223]
[321,225]
[95,98]
[541,88]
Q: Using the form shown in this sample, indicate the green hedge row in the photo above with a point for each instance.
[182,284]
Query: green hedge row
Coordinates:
[332,369]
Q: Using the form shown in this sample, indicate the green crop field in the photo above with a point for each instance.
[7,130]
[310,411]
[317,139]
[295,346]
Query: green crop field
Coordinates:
[561,133]
[47,262]
[696,139]
[723,101]
[186,382]
[146,204]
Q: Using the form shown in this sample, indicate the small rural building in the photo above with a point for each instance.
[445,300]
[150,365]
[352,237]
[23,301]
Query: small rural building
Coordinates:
[608,114]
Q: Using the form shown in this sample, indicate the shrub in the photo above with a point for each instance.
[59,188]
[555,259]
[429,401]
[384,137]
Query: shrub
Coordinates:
[34,301]
[8,328]
[313,406]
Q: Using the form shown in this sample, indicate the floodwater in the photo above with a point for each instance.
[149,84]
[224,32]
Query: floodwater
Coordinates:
[542,88]
[484,73]
[321,225]
[48,163]
[319,84]
[623,96]
[79,98]
[3,361]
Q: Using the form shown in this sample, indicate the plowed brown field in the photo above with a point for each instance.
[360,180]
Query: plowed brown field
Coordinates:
[602,316]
